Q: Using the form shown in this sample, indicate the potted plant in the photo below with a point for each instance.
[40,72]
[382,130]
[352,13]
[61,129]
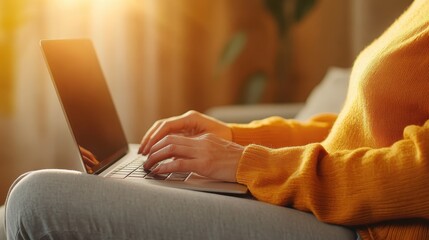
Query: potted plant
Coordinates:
[285,13]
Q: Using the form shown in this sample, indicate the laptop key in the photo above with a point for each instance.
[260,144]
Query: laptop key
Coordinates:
[178,176]
[157,176]
[134,174]
[117,176]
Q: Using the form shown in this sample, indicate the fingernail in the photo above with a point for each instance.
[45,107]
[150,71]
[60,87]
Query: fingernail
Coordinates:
[145,150]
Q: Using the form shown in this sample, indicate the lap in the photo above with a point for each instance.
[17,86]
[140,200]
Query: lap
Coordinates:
[75,205]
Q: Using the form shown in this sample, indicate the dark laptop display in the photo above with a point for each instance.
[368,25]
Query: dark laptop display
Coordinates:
[86,101]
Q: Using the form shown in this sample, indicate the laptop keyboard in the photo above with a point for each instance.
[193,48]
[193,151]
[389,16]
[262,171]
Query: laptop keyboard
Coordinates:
[134,169]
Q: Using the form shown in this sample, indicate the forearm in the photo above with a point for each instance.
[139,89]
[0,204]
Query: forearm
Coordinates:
[277,132]
[354,187]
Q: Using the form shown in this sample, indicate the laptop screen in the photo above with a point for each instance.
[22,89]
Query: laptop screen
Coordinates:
[86,102]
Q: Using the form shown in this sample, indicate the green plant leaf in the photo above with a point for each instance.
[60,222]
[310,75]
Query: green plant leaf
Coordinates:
[302,7]
[276,8]
[232,50]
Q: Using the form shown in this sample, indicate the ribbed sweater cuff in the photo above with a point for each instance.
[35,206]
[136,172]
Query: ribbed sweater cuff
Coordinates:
[250,162]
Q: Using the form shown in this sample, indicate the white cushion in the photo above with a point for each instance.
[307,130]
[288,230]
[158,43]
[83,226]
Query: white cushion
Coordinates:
[328,96]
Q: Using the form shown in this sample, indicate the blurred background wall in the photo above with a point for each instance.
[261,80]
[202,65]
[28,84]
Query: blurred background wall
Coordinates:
[162,58]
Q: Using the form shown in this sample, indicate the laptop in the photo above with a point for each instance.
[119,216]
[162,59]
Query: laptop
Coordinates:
[95,126]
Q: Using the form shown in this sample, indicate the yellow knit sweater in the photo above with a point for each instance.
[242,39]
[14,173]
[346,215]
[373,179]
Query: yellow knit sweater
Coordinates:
[368,168]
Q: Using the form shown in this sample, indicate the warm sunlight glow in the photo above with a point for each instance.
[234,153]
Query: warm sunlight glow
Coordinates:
[9,21]
[107,3]
[151,53]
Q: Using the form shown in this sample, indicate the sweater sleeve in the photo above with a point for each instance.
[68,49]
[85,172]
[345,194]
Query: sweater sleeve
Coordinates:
[349,187]
[278,132]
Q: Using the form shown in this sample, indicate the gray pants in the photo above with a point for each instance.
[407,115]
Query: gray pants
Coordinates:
[57,204]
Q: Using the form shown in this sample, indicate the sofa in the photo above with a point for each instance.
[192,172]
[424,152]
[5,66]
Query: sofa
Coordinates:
[327,96]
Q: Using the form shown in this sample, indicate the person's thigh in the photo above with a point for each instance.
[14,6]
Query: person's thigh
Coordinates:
[54,204]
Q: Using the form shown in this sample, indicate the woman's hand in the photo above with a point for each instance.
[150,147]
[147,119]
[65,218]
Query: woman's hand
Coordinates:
[207,155]
[190,124]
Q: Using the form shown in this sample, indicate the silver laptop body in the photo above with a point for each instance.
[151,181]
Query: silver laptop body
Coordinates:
[94,123]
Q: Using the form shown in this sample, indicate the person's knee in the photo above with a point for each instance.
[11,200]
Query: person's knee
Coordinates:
[30,198]
[36,188]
